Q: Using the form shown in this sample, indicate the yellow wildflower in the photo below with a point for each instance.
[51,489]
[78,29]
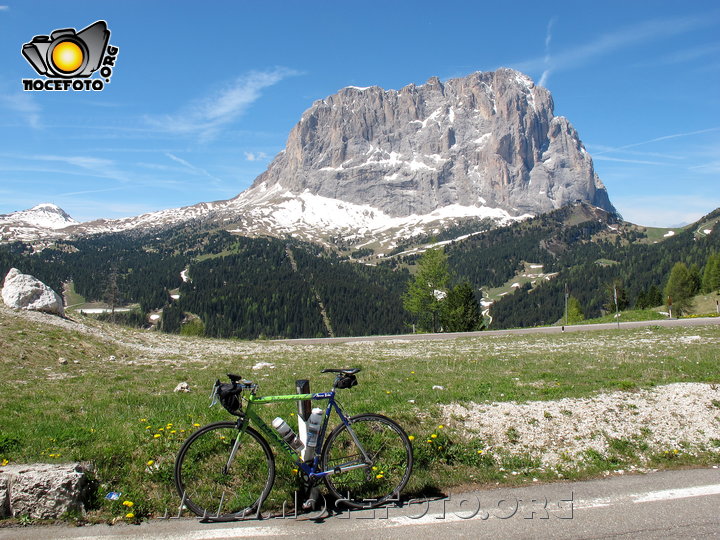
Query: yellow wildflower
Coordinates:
[378,476]
[157,435]
[129,515]
[411,437]
[196,425]
[4,462]
[433,436]
[441,426]
[129,504]
[150,463]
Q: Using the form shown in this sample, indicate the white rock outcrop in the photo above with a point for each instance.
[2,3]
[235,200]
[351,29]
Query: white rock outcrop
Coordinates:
[22,291]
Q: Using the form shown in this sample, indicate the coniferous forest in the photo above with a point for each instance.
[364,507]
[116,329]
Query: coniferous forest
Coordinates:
[269,287]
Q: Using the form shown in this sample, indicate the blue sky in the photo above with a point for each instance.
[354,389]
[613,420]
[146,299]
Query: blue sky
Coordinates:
[203,95]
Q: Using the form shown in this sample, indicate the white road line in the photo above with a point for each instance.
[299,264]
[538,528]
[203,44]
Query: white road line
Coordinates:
[668,494]
[650,496]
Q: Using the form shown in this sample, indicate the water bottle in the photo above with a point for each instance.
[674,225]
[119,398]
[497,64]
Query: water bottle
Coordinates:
[313,427]
[287,434]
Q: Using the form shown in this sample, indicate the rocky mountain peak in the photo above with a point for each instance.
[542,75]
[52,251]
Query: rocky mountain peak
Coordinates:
[488,140]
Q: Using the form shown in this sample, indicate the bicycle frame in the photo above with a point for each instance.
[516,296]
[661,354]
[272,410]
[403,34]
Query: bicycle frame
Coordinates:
[311,468]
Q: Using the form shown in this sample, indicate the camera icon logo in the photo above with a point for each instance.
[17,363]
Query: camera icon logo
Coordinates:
[68,54]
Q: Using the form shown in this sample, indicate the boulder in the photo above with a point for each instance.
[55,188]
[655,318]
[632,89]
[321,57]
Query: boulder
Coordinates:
[43,490]
[22,291]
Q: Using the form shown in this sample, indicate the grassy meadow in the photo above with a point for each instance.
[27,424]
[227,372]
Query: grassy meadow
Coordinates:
[110,400]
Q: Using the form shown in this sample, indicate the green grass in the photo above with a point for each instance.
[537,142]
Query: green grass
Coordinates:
[122,414]
[72,298]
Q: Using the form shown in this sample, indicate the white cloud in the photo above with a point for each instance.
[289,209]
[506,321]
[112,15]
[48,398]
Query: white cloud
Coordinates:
[608,43]
[255,156]
[625,160]
[206,116]
[548,59]
[665,211]
[188,165]
[4,8]
[25,105]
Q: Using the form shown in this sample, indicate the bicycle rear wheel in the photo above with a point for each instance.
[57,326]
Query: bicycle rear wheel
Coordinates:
[211,488]
[382,478]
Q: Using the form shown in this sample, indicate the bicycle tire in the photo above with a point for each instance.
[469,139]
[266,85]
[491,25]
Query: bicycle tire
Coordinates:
[218,495]
[390,451]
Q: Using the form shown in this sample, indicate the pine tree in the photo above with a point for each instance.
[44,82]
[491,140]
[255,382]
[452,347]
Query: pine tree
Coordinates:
[678,289]
[460,310]
[711,274]
[426,292]
[574,313]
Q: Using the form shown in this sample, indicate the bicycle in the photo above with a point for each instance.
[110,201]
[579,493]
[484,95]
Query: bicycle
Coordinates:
[225,470]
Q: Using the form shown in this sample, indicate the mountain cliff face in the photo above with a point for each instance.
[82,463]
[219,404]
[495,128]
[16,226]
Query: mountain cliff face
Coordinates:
[488,140]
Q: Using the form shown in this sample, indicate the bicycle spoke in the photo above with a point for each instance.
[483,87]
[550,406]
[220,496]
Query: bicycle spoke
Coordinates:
[213,489]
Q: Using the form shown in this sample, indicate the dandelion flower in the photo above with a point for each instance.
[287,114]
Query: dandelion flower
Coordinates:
[150,463]
[143,419]
[374,468]
[379,476]
[388,392]
[196,425]
[129,504]
[411,437]
[129,515]
[412,372]
[433,436]
[480,451]
[148,427]
[441,426]
[4,462]
[157,436]
[173,431]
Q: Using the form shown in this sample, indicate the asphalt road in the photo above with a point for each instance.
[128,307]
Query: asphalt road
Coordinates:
[670,504]
[703,321]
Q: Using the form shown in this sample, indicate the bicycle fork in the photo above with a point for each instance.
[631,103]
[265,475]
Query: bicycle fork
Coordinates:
[242,424]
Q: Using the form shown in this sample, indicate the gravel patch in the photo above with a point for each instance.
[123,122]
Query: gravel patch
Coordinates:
[680,416]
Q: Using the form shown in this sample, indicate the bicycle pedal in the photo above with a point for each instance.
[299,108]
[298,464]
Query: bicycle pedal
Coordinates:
[312,499]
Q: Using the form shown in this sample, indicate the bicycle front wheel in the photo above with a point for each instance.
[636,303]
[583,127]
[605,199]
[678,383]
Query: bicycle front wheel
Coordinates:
[386,461]
[213,486]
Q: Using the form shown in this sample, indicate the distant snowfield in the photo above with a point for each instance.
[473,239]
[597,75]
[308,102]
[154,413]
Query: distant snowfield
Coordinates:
[274,206]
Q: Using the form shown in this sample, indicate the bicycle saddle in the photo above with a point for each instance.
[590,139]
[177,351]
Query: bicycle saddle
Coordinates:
[351,371]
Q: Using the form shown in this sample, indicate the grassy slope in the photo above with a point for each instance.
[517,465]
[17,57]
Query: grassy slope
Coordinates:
[121,413]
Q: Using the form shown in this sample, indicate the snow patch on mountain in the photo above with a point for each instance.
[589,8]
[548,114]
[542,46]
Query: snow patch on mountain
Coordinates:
[45,215]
